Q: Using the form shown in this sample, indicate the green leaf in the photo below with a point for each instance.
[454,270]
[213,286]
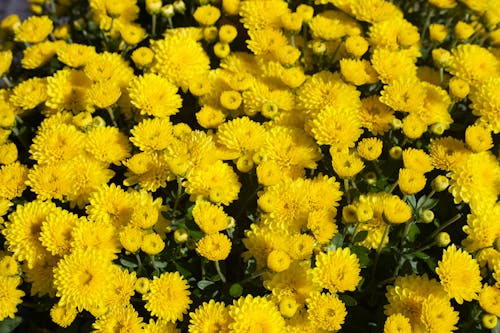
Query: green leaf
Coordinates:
[412,201]
[424,204]
[159,264]
[421,255]
[362,253]
[360,236]
[337,241]
[348,300]
[431,263]
[413,232]
[8,325]
[204,283]
[128,263]
[185,272]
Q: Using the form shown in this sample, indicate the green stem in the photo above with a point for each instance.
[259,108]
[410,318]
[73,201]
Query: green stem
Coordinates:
[153,25]
[427,198]
[179,193]
[7,81]
[379,249]
[346,189]
[393,187]
[217,267]
[112,115]
[253,276]
[445,225]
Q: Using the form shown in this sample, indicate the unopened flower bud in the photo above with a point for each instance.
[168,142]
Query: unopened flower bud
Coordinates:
[179,6]
[443,239]
[440,183]
[396,152]
[427,216]
[168,11]
[153,7]
[181,236]
[489,320]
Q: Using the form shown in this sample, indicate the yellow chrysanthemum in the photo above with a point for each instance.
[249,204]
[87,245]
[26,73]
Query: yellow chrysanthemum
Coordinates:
[30,93]
[375,116]
[161,326]
[326,311]
[332,24]
[396,210]
[417,159]
[68,89]
[108,144]
[337,271]
[152,134]
[486,103]
[109,67]
[374,10]
[55,233]
[39,54]
[211,317]
[75,55]
[14,177]
[337,127]
[241,135]
[63,315]
[82,278]
[394,33]
[438,315]
[255,313]
[180,59]
[154,95]
[262,14]
[168,297]
[96,235]
[22,231]
[5,61]
[50,181]
[459,274]
[10,295]
[393,65]
[322,225]
[110,203]
[473,63]
[209,217]
[34,29]
[347,165]
[41,277]
[447,152]
[411,181]
[120,319]
[478,138]
[214,246]
[397,323]
[370,148]
[489,299]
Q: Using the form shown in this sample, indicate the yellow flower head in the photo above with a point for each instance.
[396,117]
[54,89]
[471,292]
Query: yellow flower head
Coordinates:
[397,323]
[411,181]
[331,24]
[347,165]
[262,14]
[11,296]
[152,244]
[326,311]
[447,152]
[486,103]
[209,217]
[459,274]
[39,54]
[131,238]
[5,61]
[374,10]
[63,315]
[56,230]
[250,312]
[123,318]
[396,210]
[375,116]
[478,138]
[154,95]
[337,271]
[336,127]
[369,148]
[438,315]
[96,235]
[206,15]
[393,65]
[108,144]
[417,160]
[110,203]
[168,297]
[142,56]
[75,55]
[34,29]
[473,63]
[210,317]
[14,177]
[30,93]
[152,134]
[214,246]
[489,299]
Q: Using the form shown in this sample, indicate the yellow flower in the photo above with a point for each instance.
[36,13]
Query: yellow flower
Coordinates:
[34,29]
[104,94]
[5,61]
[278,261]
[301,246]
[447,152]
[131,238]
[98,236]
[242,135]
[473,63]
[356,45]
[438,315]
[152,134]
[30,93]
[8,266]
[336,127]
[374,10]
[122,318]
[63,315]
[39,54]
[211,317]
[230,99]
[132,34]
[154,95]
[337,271]
[142,56]
[82,278]
[397,323]
[111,67]
[393,65]
[110,203]
[10,295]
[322,225]
[75,55]
[417,159]
[326,311]
[346,165]
[261,14]
[209,217]
[369,148]
[459,274]
[332,24]
[56,230]
[478,138]
[486,103]
[438,32]
[210,117]
[375,116]
[489,299]
[214,246]
[108,144]
[396,210]
[168,297]
[14,177]
[152,244]
[206,15]
[68,89]
[259,313]
[160,326]
[411,181]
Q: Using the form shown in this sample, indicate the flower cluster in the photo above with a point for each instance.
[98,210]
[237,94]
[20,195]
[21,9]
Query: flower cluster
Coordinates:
[250,166]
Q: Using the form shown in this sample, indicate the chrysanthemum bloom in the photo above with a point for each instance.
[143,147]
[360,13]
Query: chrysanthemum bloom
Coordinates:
[393,65]
[10,296]
[347,165]
[397,323]
[489,299]
[160,326]
[152,134]
[332,24]
[396,210]
[108,144]
[104,94]
[209,217]
[154,95]
[121,318]
[211,317]
[14,177]
[168,297]
[75,55]
[447,152]
[473,63]
[259,313]
[241,135]
[98,235]
[180,59]
[326,311]
[8,266]
[278,260]
[301,246]
[322,225]
[369,148]
[214,246]
[55,233]
[417,159]
[51,181]
[68,89]
[459,274]
[34,29]
[82,278]
[110,203]
[486,103]
[39,54]
[337,271]
[438,315]
[30,93]
[152,244]
[411,181]
[142,56]
[5,61]
[375,116]
[111,67]
[63,315]
[478,138]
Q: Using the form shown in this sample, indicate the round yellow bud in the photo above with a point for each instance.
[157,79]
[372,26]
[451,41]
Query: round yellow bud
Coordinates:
[153,7]
[489,320]
[438,128]
[458,87]
[210,34]
[356,45]
[142,285]
[443,239]
[181,236]
[179,6]
[231,7]
[305,11]
[396,124]
[269,109]
[293,77]
[227,33]
[349,214]
[288,306]
[152,244]
[142,57]
[318,47]
[167,11]
[396,153]
[441,57]
[244,163]
[222,50]
[440,183]
[291,21]
[230,99]
[427,216]
[278,261]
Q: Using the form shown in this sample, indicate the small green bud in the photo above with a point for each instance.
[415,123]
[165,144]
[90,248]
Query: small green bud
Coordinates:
[443,239]
[440,183]
[427,216]
[236,290]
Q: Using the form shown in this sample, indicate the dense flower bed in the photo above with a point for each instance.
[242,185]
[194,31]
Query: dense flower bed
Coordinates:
[250,166]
